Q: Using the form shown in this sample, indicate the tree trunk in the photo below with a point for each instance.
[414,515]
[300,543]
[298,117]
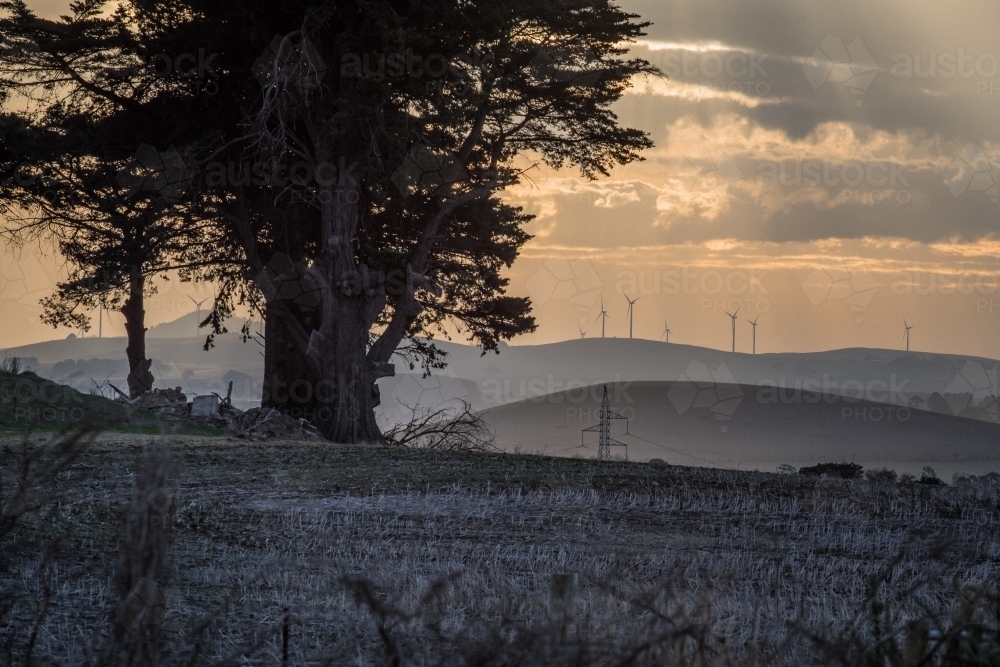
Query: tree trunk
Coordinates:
[285,367]
[346,393]
[331,384]
[140,379]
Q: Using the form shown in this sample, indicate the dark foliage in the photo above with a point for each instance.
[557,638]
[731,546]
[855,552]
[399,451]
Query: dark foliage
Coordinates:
[844,470]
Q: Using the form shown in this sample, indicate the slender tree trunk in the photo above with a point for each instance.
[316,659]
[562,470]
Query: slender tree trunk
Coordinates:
[140,379]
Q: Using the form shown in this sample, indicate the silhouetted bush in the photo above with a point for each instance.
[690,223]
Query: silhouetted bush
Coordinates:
[987,481]
[881,476]
[845,470]
[928,476]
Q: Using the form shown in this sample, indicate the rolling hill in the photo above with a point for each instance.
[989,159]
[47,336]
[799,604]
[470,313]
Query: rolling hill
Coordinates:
[705,422]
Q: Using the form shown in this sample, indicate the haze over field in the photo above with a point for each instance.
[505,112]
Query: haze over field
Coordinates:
[687,405]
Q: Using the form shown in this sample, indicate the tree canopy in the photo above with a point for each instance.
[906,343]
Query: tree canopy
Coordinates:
[347,162]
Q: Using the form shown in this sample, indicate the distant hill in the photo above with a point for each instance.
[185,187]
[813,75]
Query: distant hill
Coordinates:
[965,385]
[186,327]
[520,372]
[730,425]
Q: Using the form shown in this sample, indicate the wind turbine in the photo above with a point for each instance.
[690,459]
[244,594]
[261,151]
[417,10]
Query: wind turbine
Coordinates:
[754,323]
[630,313]
[906,333]
[583,334]
[733,315]
[197,305]
[603,314]
[100,320]
[666,331]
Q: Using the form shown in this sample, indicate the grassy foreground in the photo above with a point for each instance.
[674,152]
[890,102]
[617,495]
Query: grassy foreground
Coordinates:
[399,556]
[28,401]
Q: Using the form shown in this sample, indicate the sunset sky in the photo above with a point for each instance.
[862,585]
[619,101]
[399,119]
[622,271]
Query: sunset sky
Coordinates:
[830,167]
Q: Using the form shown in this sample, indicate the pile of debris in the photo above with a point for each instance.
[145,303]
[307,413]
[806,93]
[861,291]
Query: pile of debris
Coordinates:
[169,403]
[270,423]
[212,409]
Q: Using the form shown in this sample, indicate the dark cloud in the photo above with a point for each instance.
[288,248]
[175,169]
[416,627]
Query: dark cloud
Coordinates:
[958,98]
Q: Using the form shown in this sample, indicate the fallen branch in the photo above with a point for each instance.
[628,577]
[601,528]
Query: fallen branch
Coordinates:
[447,428]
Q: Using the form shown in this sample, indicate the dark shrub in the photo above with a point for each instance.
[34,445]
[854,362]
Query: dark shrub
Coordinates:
[845,470]
[883,476]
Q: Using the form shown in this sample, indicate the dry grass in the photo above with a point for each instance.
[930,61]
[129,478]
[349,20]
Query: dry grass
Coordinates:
[391,555]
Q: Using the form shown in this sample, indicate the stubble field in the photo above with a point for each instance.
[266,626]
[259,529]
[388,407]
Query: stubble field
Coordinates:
[400,556]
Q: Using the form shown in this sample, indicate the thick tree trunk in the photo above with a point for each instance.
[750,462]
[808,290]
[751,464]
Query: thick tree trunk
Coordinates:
[346,392]
[331,383]
[286,368]
[140,379]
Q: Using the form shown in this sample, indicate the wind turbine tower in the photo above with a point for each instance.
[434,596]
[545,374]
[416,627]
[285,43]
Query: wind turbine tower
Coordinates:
[197,305]
[583,334]
[754,323]
[733,316]
[630,314]
[666,331]
[604,315]
[906,333]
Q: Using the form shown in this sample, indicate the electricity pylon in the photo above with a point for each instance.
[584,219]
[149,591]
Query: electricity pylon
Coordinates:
[604,440]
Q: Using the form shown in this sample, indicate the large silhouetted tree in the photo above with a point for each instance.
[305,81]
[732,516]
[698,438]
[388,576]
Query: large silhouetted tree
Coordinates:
[405,122]
[353,160]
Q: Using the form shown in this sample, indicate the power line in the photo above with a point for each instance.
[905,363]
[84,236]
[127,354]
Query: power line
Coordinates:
[675,451]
